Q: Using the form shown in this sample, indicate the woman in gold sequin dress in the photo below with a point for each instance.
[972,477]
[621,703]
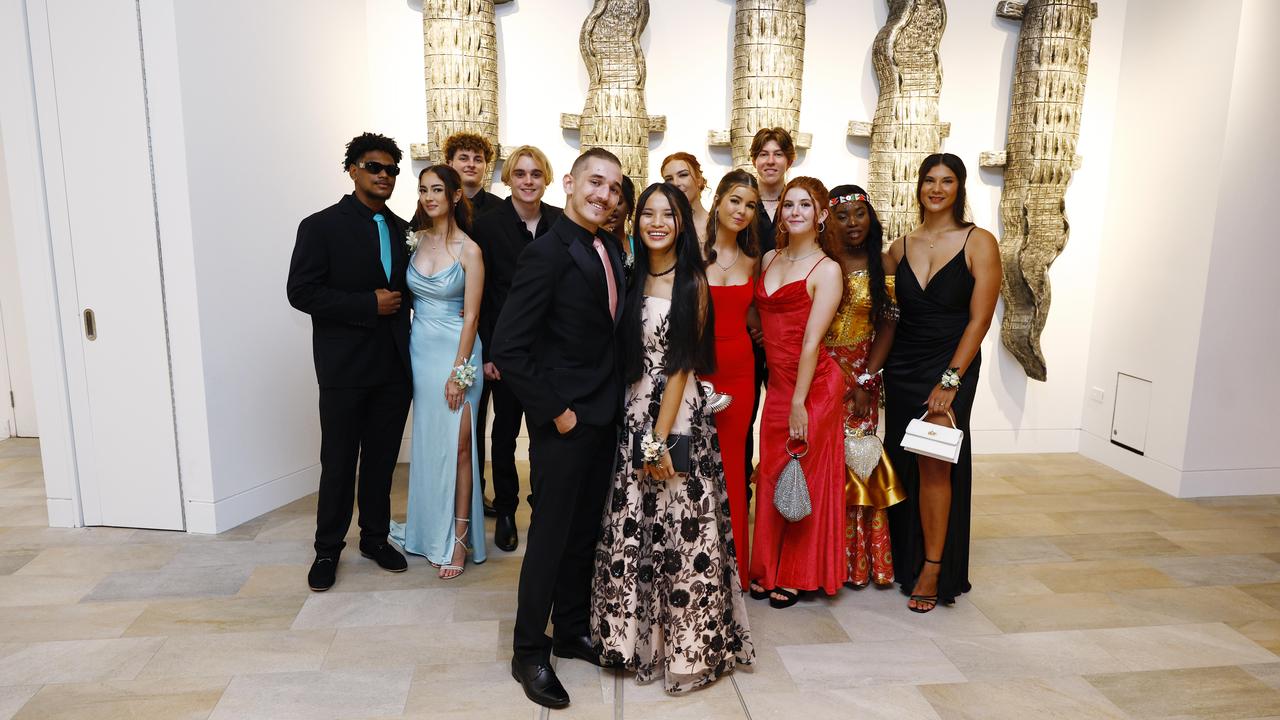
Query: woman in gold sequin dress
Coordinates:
[859,340]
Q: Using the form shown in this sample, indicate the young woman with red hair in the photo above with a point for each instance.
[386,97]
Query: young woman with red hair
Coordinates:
[797,297]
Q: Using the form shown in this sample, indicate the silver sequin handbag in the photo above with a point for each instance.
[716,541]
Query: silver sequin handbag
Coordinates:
[862,451]
[791,495]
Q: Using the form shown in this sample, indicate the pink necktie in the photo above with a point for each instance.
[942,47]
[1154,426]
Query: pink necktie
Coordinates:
[608,276]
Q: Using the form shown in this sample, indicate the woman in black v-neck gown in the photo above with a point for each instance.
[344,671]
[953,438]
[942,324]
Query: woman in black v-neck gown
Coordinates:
[940,327]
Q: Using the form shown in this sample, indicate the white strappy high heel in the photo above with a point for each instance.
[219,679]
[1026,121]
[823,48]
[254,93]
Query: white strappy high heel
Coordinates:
[457,540]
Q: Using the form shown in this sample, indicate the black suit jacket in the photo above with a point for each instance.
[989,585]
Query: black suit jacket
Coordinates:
[482,204]
[555,342]
[502,236]
[765,230]
[336,266]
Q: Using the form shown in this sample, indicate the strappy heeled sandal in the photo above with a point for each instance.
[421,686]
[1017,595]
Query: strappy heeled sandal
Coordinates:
[932,600]
[446,567]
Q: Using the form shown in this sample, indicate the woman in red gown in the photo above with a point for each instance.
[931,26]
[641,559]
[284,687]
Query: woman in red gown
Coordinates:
[733,262]
[796,297]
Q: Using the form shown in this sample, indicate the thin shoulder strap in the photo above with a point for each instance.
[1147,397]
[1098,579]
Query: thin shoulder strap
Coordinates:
[966,236]
[815,266]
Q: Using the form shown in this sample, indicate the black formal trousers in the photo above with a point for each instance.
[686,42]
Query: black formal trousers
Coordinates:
[361,425]
[762,379]
[507,414]
[570,481]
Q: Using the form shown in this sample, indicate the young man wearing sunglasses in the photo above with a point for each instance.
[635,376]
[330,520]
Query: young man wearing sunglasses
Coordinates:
[348,274]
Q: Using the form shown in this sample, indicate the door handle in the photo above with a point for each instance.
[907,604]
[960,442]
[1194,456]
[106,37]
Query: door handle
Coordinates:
[90,325]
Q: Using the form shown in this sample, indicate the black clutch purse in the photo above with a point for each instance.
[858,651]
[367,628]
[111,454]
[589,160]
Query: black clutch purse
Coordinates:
[677,448]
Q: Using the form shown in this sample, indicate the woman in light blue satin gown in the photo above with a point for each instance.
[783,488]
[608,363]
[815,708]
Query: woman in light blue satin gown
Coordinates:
[446,275]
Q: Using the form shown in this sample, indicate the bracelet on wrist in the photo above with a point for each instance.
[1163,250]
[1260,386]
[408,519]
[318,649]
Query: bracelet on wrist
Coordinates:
[950,379]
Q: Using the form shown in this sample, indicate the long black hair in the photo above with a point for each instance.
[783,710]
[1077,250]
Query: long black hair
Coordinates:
[955,165]
[873,246]
[690,339]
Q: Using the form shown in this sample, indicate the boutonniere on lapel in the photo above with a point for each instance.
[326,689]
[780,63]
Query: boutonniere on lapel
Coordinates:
[411,241]
[628,261]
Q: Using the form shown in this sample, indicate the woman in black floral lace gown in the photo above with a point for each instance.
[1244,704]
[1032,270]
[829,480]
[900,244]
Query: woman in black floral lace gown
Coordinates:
[665,597]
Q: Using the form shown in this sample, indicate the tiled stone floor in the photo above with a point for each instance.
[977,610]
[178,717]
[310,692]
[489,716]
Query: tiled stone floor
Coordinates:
[1094,597]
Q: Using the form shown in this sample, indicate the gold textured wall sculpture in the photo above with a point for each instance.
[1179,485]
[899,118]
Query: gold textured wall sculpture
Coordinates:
[768,68]
[1039,157]
[460,64]
[906,128]
[614,117]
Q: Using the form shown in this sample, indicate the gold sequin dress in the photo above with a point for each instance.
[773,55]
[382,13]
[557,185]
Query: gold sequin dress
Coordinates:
[868,552]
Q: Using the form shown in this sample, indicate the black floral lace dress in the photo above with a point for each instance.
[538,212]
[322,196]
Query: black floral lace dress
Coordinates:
[665,597]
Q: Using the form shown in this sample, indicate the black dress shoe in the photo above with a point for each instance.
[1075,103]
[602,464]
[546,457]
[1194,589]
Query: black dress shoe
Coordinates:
[540,684]
[323,573]
[488,509]
[504,533]
[387,557]
[577,648]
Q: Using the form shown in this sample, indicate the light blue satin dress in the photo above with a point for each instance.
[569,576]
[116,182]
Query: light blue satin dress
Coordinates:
[433,462]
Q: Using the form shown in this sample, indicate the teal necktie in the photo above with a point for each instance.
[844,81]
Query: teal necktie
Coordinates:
[384,243]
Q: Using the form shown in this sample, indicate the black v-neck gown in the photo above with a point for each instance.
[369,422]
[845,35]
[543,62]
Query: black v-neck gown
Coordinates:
[932,320]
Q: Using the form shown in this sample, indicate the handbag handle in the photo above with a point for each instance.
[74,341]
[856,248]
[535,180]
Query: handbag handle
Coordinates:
[787,447]
[950,415]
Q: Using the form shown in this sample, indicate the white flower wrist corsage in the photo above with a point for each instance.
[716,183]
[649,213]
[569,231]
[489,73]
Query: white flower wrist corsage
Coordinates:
[464,376]
[652,447]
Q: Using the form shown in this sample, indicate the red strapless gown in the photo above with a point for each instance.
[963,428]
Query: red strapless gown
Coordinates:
[809,554]
[734,376]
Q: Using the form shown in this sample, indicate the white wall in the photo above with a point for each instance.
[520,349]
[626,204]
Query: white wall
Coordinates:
[1185,296]
[1229,445]
[261,131]
[688,51]
[251,103]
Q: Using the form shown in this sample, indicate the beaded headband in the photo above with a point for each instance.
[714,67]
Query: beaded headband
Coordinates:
[851,197]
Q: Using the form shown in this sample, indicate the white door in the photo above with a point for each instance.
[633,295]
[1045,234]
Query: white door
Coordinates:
[17,404]
[126,448]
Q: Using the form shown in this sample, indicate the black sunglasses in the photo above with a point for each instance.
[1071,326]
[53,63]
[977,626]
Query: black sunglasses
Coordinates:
[373,168]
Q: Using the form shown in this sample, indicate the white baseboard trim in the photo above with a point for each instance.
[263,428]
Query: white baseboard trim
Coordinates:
[62,512]
[1156,474]
[1211,483]
[222,515]
[1001,442]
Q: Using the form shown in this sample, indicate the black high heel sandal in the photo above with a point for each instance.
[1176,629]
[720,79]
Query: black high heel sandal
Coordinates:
[790,598]
[932,600]
[757,594]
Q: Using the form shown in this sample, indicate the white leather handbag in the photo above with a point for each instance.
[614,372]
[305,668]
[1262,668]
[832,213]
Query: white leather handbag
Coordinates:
[932,440]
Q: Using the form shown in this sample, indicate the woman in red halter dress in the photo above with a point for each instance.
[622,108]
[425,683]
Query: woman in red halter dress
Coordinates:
[797,297]
[732,254]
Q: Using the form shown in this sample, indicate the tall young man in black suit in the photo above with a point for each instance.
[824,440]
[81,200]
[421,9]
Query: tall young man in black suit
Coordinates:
[555,347]
[348,274]
[502,235]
